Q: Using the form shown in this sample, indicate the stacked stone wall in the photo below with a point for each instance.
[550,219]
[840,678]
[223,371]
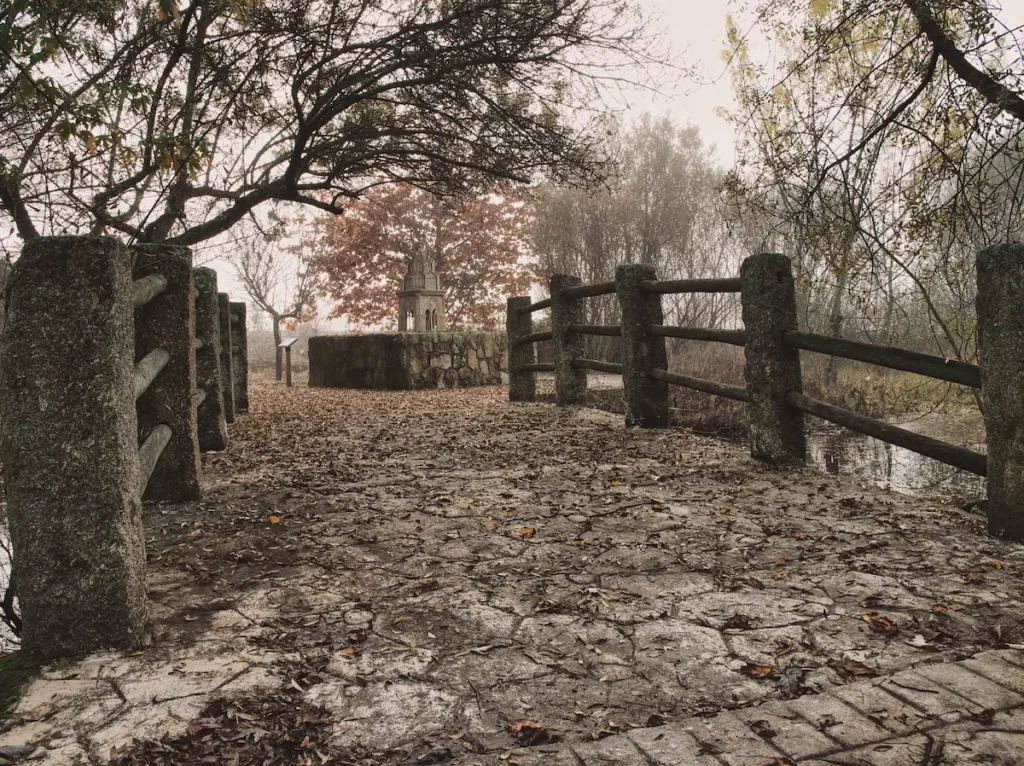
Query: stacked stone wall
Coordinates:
[405,361]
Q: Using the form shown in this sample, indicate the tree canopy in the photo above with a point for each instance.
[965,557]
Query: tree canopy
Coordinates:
[477,244]
[171,122]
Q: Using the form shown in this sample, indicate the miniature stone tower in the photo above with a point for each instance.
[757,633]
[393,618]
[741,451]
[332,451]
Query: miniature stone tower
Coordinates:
[421,301]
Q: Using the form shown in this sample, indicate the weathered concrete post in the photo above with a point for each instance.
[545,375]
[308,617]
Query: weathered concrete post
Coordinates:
[772,365]
[227,367]
[1001,349]
[213,429]
[522,385]
[168,321]
[240,357]
[570,383]
[69,447]
[646,398]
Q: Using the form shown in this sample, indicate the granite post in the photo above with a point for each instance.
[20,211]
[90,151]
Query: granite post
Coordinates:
[1001,350]
[69,447]
[570,382]
[772,366]
[168,321]
[213,429]
[522,385]
[227,371]
[240,357]
[646,399]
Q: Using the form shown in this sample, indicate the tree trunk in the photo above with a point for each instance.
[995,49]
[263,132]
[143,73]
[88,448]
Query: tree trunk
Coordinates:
[278,351]
[835,326]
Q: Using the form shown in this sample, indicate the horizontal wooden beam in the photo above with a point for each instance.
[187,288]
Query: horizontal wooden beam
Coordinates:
[731,285]
[535,337]
[888,356]
[597,366]
[147,288]
[538,306]
[589,291]
[148,368]
[699,384]
[610,330]
[732,337]
[958,457]
[149,453]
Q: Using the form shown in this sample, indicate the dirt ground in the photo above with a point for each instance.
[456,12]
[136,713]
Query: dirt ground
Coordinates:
[432,576]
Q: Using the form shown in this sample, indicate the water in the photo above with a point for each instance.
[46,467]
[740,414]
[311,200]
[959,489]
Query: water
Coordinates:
[843,452]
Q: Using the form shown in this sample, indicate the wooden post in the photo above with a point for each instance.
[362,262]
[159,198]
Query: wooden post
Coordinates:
[522,385]
[646,398]
[772,366]
[287,346]
[1001,349]
[570,382]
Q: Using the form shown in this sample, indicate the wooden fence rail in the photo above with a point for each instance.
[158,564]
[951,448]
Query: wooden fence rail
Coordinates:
[98,394]
[772,343]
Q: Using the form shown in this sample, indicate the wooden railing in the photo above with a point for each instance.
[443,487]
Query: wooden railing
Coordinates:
[773,393]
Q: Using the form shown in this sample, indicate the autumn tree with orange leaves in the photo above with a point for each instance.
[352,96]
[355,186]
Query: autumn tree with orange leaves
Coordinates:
[477,243]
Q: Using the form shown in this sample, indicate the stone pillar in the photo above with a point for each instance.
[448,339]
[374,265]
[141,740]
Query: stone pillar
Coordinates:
[570,383]
[240,357]
[1001,349]
[522,386]
[227,367]
[772,365]
[69,447]
[168,321]
[646,398]
[213,429]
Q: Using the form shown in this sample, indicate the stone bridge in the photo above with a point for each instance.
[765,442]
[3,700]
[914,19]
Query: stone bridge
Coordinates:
[442,576]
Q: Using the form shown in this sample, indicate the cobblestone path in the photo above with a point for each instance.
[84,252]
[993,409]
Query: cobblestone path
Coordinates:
[440,576]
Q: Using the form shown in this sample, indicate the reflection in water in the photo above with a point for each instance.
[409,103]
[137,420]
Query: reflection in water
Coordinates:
[851,454]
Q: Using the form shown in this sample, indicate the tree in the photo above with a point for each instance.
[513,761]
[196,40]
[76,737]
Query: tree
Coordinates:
[276,278]
[476,242]
[165,121]
[874,137]
[661,207]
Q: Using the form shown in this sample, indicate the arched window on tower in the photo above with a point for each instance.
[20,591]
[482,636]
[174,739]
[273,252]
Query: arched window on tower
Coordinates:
[410,320]
[433,318]
[426,320]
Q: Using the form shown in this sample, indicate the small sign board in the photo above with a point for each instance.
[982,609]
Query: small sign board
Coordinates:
[287,342]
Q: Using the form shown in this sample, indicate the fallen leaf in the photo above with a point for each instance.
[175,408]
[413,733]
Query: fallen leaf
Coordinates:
[753,670]
[880,624]
[529,732]
[273,519]
[526,532]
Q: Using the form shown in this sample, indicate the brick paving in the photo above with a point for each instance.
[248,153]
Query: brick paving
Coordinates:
[966,712]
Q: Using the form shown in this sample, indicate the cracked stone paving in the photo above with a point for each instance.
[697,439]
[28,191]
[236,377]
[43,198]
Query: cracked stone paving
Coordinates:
[427,577]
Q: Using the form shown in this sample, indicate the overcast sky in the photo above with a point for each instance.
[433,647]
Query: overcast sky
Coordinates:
[695,31]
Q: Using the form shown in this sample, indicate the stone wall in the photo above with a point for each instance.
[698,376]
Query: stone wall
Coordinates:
[403,361]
